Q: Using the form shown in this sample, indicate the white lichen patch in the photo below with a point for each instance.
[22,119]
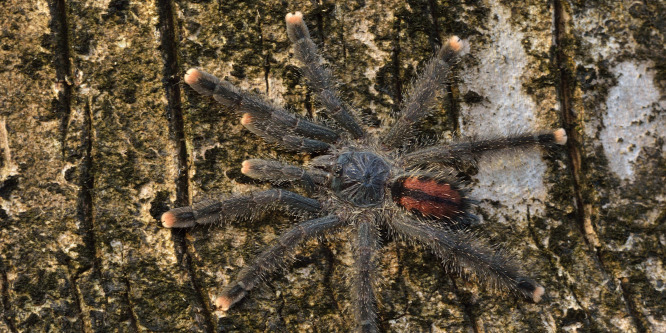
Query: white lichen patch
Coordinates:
[361,33]
[655,273]
[657,324]
[634,118]
[629,244]
[123,43]
[505,178]
[604,45]
[622,324]
[68,241]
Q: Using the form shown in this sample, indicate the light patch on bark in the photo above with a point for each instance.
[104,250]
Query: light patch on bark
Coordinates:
[628,127]
[505,178]
[360,31]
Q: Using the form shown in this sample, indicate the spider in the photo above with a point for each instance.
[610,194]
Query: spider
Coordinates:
[359,181]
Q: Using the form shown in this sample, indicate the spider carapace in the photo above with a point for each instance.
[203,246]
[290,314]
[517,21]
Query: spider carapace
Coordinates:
[360,181]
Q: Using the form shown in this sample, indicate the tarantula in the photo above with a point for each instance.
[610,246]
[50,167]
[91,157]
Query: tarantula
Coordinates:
[360,181]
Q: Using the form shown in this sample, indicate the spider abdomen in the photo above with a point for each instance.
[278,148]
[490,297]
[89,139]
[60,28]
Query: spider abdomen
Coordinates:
[429,197]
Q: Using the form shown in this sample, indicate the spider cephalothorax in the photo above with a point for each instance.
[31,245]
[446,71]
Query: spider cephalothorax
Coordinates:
[360,178]
[361,182]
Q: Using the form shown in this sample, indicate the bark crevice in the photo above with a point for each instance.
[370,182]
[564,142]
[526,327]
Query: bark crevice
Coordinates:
[63,67]
[85,320]
[86,208]
[467,305]
[565,86]
[134,322]
[171,79]
[6,304]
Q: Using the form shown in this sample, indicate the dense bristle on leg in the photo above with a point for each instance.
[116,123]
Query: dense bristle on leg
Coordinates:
[230,297]
[422,95]
[318,76]
[249,122]
[560,136]
[223,303]
[296,28]
[449,154]
[192,76]
[366,243]
[466,254]
[245,207]
[182,217]
[537,294]
[455,43]
[273,258]
[168,220]
[295,18]
[530,289]
[201,81]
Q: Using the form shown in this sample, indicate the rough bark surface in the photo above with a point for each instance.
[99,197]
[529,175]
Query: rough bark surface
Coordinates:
[99,136]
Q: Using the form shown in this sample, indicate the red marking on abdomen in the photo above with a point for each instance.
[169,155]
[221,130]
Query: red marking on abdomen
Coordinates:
[428,197]
[433,188]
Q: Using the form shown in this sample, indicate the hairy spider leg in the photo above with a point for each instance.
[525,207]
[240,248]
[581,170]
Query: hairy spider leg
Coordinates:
[326,162]
[276,171]
[421,96]
[244,207]
[273,258]
[470,151]
[267,121]
[273,134]
[465,253]
[366,245]
[319,77]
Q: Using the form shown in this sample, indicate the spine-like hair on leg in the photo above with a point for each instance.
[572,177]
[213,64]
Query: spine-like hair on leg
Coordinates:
[263,113]
[364,300]
[421,96]
[246,207]
[319,77]
[471,149]
[466,254]
[273,258]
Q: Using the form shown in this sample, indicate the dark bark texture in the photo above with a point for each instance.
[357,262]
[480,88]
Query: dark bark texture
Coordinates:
[99,136]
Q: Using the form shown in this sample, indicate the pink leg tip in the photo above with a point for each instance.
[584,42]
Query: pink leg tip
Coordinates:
[455,43]
[168,219]
[560,136]
[537,294]
[295,18]
[246,119]
[223,303]
[245,167]
[192,76]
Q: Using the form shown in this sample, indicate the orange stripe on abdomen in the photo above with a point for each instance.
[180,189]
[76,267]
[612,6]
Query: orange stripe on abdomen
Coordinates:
[429,198]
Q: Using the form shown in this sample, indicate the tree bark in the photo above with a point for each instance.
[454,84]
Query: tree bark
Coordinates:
[99,137]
